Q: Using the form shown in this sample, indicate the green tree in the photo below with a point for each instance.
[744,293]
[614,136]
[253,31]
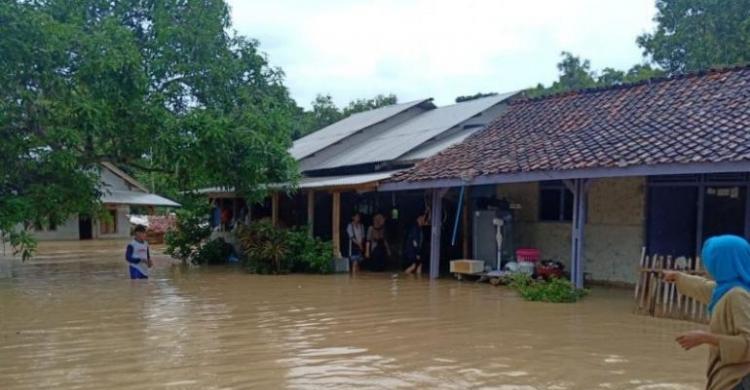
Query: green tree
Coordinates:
[361,105]
[698,34]
[477,95]
[162,88]
[324,112]
[576,73]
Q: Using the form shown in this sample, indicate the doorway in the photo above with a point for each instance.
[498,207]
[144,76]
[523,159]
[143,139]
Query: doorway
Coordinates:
[85,227]
[724,211]
[683,211]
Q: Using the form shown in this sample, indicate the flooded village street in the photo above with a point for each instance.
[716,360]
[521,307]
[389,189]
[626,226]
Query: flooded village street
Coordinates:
[70,318]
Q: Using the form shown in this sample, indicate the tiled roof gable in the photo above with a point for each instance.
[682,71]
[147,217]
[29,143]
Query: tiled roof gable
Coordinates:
[696,118]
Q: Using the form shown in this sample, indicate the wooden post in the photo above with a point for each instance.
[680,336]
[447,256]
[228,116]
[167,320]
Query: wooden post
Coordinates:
[275,208]
[336,224]
[699,224]
[436,220]
[310,212]
[465,221]
[579,188]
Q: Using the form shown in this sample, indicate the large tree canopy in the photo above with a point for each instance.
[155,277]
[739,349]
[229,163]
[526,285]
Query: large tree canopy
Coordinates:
[699,34]
[576,73]
[154,86]
[324,112]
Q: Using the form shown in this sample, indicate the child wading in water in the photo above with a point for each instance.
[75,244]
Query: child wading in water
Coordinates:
[727,260]
[138,255]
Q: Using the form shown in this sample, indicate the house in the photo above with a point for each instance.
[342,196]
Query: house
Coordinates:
[597,174]
[121,193]
[343,164]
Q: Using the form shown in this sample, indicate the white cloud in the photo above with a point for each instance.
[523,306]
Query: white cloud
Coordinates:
[439,49]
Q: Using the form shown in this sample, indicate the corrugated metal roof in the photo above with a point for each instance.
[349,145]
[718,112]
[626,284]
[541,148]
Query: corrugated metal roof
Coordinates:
[136,198]
[433,147]
[395,142]
[312,183]
[335,132]
[342,181]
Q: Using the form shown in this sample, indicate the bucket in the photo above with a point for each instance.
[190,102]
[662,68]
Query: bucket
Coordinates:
[526,267]
[530,255]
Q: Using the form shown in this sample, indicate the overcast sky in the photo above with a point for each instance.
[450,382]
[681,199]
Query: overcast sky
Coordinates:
[439,49]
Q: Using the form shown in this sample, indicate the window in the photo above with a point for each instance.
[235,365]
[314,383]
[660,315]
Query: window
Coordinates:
[109,224]
[555,202]
[684,210]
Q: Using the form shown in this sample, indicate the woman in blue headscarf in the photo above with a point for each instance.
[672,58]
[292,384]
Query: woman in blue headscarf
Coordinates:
[727,260]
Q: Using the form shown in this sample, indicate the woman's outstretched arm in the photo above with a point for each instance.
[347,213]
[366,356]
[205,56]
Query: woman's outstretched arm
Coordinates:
[696,287]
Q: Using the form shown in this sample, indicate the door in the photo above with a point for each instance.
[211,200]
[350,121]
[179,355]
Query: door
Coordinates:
[85,228]
[672,219]
[724,211]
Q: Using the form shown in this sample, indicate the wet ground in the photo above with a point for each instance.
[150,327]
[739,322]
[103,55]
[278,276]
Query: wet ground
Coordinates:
[69,318]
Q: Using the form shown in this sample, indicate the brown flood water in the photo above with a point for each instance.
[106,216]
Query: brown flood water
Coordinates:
[70,319]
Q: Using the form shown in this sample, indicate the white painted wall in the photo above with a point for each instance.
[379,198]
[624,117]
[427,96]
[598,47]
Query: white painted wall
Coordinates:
[65,231]
[114,182]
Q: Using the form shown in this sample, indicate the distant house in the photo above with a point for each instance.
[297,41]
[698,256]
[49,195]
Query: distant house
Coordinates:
[121,193]
[598,174]
[343,164]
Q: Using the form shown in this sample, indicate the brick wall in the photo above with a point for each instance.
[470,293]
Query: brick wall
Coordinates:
[614,230]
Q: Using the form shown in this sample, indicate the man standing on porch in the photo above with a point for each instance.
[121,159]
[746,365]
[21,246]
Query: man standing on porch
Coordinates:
[727,260]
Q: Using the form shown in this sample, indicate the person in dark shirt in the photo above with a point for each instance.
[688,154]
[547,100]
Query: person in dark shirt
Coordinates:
[413,248]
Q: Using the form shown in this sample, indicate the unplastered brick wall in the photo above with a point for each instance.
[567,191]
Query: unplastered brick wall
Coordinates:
[614,233]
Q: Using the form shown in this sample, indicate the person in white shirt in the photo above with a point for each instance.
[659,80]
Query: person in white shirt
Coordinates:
[356,233]
[138,255]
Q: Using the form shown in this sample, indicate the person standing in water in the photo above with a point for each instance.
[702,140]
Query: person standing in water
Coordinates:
[356,233]
[138,255]
[413,248]
[377,246]
[727,260]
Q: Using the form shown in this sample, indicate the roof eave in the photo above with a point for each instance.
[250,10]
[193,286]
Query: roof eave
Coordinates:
[588,173]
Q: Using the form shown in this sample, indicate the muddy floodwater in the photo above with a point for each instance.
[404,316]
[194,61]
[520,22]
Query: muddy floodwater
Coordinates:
[70,319]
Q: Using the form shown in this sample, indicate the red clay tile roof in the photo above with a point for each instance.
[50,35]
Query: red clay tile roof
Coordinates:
[696,118]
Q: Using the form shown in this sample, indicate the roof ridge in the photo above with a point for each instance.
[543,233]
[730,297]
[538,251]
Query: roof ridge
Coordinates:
[650,80]
[498,95]
[123,175]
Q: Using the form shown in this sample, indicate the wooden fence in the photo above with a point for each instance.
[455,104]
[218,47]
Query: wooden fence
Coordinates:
[657,298]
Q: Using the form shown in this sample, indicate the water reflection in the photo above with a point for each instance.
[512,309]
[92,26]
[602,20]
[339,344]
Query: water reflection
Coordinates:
[70,319]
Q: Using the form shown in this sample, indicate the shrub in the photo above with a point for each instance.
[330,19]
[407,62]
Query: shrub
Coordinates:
[213,252]
[309,254]
[271,250]
[552,290]
[265,248]
[188,241]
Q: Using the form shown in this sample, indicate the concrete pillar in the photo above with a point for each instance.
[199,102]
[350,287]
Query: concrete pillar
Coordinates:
[310,212]
[579,188]
[336,224]
[436,219]
[465,221]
